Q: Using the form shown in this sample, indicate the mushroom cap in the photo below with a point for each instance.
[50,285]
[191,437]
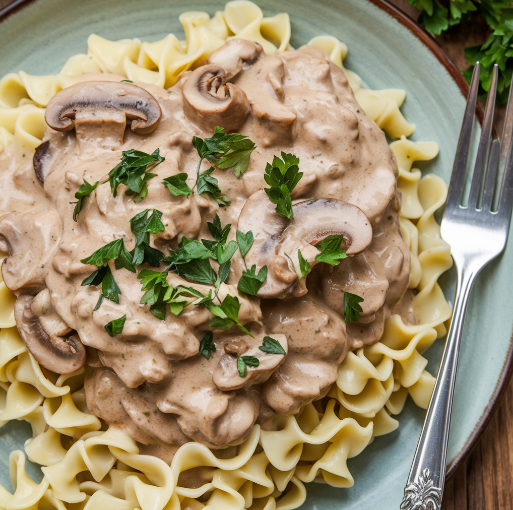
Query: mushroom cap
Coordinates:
[235,55]
[61,355]
[276,239]
[209,101]
[137,104]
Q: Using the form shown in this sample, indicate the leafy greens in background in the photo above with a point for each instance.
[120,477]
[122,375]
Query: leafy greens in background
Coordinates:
[437,16]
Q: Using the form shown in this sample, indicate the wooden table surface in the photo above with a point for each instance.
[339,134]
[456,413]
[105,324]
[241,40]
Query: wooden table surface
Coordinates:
[485,480]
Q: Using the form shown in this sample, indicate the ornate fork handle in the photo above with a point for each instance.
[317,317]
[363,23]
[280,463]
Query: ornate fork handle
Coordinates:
[426,481]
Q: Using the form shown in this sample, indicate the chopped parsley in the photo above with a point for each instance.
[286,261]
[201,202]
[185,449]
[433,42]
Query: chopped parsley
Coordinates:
[251,281]
[246,361]
[245,242]
[133,172]
[143,224]
[210,185]
[272,346]
[352,308]
[282,176]
[177,185]
[225,150]
[84,191]
[330,250]
[116,326]
[304,266]
[226,314]
[207,346]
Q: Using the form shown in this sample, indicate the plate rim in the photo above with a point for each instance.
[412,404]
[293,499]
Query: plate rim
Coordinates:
[427,40]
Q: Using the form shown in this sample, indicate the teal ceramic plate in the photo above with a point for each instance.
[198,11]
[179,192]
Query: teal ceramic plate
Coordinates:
[388,51]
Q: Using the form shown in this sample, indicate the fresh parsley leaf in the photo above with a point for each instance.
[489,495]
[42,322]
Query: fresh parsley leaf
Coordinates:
[188,250]
[84,191]
[99,303]
[246,361]
[143,224]
[226,251]
[272,346]
[210,185]
[226,314]
[108,252]
[304,266]
[198,270]
[352,308]
[225,150]
[177,186]
[116,326]
[219,233]
[126,81]
[132,171]
[245,242]
[282,175]
[207,346]
[223,273]
[95,278]
[330,250]
[110,288]
[251,281]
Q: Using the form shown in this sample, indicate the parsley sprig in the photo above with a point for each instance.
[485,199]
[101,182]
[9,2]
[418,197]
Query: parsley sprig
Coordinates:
[272,346]
[132,171]
[116,251]
[225,150]
[330,250]
[84,191]
[115,327]
[177,185]
[207,346]
[352,308]
[143,224]
[437,16]
[282,175]
[246,361]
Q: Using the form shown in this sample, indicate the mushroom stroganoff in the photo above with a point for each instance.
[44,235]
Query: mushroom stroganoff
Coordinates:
[221,263]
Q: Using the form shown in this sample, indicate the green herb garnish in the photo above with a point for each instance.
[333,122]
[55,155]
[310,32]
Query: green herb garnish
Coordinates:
[330,250]
[207,346]
[251,281]
[132,171]
[177,185]
[245,242]
[226,314]
[282,176]
[84,191]
[210,185]
[304,266]
[272,346]
[143,224]
[116,326]
[225,150]
[352,308]
[246,361]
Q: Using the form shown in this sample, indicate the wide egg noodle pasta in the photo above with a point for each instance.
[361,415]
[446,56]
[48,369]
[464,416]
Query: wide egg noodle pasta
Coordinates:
[86,467]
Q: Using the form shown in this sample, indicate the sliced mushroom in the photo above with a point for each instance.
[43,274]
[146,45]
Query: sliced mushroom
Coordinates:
[226,376]
[32,238]
[277,240]
[59,354]
[235,55]
[99,110]
[209,101]
[41,161]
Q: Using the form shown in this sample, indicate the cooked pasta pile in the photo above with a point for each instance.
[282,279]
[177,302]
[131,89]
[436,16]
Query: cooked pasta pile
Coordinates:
[88,467]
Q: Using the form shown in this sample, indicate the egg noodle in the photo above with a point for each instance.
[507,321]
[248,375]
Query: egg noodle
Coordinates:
[88,467]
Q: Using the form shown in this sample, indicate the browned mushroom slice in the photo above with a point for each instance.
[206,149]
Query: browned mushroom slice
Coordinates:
[99,110]
[235,55]
[32,238]
[209,101]
[59,354]
[227,378]
[277,240]
[41,161]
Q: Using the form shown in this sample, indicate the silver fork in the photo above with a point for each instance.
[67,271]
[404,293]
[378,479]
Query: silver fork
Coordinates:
[477,234]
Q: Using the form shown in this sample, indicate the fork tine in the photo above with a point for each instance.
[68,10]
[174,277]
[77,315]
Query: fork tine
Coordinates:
[460,160]
[491,178]
[506,198]
[484,142]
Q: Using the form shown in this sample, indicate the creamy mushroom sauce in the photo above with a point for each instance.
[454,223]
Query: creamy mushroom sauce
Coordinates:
[149,380]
